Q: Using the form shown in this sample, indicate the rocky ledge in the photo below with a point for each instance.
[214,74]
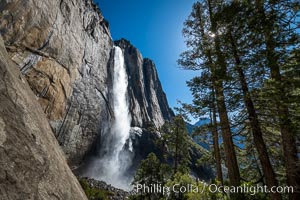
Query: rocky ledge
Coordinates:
[94,187]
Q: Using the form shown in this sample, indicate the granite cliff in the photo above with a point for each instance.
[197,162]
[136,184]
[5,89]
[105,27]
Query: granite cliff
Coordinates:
[148,102]
[32,166]
[63,48]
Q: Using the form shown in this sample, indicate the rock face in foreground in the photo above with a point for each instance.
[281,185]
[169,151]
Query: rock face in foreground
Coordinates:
[62,47]
[32,166]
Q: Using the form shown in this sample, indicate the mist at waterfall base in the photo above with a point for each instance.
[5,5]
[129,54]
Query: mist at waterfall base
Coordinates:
[113,160]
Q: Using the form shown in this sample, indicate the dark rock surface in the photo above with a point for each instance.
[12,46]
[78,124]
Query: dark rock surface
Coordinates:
[202,172]
[32,165]
[145,142]
[148,102]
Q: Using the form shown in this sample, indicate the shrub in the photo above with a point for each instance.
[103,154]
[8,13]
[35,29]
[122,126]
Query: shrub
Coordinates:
[94,193]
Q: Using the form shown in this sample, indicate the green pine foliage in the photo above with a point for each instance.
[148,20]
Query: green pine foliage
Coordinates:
[151,172]
[255,43]
[176,140]
[94,193]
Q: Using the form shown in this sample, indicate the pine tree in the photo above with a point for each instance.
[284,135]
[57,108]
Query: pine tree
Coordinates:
[236,33]
[151,172]
[246,52]
[204,103]
[201,29]
[175,138]
[280,16]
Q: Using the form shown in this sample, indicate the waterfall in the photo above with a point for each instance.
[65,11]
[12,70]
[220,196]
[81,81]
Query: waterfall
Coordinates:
[113,161]
[121,123]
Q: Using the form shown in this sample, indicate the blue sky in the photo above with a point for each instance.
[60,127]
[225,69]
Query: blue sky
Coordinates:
[154,27]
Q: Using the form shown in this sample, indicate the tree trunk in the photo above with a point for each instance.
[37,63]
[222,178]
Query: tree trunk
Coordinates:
[255,126]
[230,155]
[218,73]
[287,132]
[176,149]
[217,154]
[233,169]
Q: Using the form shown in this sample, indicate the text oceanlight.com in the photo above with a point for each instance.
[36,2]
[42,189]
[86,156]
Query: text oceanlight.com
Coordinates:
[212,188]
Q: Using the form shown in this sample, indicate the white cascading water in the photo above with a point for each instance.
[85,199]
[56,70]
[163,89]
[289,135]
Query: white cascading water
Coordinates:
[114,162]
